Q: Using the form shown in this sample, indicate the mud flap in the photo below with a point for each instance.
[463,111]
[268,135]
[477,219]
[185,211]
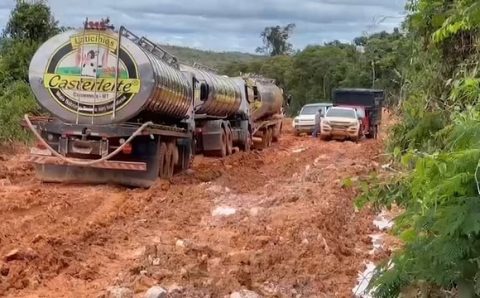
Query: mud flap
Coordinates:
[84,174]
[75,174]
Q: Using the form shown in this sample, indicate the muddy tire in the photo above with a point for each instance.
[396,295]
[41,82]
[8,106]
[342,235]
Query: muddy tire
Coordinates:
[373,132]
[223,145]
[324,138]
[277,133]
[163,162]
[229,143]
[264,143]
[269,136]
[173,149]
[247,143]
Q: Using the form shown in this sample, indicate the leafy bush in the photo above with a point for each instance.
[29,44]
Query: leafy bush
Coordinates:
[436,150]
[17,99]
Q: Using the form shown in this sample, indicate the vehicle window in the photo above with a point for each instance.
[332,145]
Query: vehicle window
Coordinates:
[310,110]
[343,113]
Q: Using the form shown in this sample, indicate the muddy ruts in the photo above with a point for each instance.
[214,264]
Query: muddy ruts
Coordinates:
[73,76]
[224,97]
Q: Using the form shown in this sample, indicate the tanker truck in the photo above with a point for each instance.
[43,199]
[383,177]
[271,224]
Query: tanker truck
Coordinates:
[125,111]
[235,112]
[122,110]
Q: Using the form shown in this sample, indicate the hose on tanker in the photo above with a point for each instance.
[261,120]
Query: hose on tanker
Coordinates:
[86,163]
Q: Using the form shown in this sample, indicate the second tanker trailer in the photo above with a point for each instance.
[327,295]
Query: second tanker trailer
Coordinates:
[125,111]
[235,112]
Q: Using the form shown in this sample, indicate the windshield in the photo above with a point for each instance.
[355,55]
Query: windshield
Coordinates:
[342,113]
[310,110]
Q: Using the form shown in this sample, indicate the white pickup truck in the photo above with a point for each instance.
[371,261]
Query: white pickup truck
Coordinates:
[341,122]
[305,121]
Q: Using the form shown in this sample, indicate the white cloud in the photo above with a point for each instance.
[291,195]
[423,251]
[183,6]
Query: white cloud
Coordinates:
[225,25]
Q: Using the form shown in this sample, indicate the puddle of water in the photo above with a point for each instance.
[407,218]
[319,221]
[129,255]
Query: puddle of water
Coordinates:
[363,280]
[360,290]
[318,159]
[377,241]
[224,211]
[382,223]
[298,150]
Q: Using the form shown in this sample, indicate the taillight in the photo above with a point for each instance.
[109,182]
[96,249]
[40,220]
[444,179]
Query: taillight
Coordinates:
[127,149]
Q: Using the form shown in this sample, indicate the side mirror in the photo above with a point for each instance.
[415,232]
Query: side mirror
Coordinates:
[204,91]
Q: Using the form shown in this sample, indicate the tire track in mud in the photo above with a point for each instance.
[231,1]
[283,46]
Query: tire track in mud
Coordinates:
[293,233]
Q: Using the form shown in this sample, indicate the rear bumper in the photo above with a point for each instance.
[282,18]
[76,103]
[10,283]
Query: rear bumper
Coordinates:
[44,157]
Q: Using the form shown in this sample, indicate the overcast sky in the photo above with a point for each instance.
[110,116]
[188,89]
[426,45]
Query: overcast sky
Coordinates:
[231,25]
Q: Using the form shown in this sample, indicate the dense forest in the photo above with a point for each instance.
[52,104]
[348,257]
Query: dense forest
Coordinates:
[310,75]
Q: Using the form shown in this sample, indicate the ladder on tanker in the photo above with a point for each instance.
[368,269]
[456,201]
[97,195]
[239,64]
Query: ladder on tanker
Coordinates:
[142,42]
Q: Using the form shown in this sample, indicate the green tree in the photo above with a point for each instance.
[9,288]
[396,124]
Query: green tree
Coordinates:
[275,40]
[30,24]
[31,21]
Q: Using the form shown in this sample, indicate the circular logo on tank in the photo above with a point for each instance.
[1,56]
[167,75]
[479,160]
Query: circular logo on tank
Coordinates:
[86,75]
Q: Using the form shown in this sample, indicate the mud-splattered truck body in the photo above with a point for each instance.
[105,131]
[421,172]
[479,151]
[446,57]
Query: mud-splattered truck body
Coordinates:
[236,112]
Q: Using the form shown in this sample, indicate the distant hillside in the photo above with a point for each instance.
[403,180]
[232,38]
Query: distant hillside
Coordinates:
[216,60]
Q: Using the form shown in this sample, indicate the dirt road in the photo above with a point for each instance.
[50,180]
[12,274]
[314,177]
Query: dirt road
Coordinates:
[278,222]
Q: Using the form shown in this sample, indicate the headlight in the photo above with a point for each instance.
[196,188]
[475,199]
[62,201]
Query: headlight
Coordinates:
[296,120]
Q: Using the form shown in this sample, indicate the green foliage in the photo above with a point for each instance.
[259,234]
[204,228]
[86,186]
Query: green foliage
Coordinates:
[311,74]
[441,224]
[15,101]
[31,21]
[212,59]
[436,153]
[29,25]
[15,56]
[275,40]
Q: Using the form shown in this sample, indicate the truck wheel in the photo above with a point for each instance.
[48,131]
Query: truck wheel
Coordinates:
[247,143]
[264,143]
[277,133]
[172,159]
[163,160]
[373,132]
[223,145]
[229,141]
[269,136]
